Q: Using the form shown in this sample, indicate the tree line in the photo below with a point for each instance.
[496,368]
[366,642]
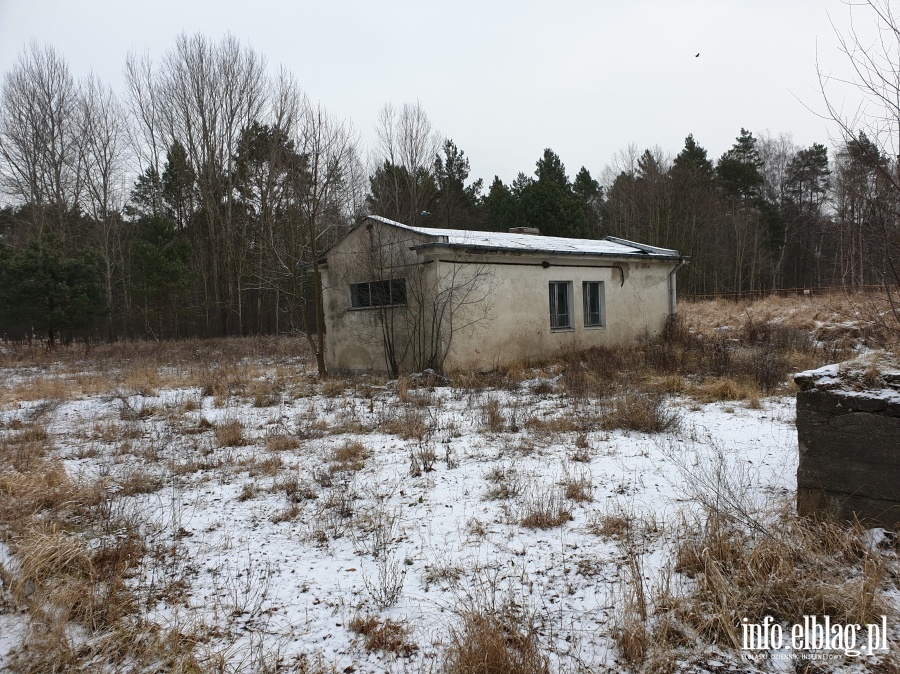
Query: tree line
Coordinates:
[200,200]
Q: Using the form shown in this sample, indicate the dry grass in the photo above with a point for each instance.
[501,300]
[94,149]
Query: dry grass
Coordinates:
[69,575]
[742,353]
[73,547]
[24,445]
[408,422]
[578,486]
[46,487]
[349,457]
[390,636]
[492,416]
[795,567]
[138,481]
[543,508]
[265,392]
[843,317]
[724,388]
[506,483]
[610,525]
[268,466]
[282,442]
[643,412]
[494,642]
[49,387]
[230,434]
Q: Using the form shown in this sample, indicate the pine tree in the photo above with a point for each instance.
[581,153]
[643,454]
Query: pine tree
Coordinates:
[45,290]
[456,204]
[161,274]
[692,161]
[738,169]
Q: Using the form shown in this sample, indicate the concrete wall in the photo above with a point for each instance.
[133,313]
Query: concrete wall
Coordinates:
[513,323]
[354,337]
[849,456]
[519,328]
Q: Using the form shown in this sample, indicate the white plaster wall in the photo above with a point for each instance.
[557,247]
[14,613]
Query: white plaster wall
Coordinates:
[520,326]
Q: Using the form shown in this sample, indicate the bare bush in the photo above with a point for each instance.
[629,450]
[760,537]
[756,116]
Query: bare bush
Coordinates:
[386,587]
[376,530]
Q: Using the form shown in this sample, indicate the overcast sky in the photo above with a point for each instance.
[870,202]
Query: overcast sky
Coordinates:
[502,79]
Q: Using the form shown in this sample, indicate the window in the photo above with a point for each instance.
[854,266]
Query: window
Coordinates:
[378,293]
[593,304]
[560,305]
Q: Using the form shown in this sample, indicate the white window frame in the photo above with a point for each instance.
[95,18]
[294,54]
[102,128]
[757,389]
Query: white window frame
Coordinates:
[600,290]
[555,313]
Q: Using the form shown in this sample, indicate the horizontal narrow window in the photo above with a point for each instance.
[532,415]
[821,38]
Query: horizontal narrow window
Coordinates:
[378,293]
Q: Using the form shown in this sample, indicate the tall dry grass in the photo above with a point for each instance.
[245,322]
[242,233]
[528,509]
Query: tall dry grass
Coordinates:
[500,641]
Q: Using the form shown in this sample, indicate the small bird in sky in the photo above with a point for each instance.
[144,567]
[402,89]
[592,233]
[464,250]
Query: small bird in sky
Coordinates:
[697,54]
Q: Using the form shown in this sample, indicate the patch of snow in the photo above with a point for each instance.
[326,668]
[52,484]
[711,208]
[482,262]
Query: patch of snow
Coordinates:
[535,243]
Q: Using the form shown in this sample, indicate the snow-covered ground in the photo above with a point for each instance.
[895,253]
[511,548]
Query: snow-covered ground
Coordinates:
[277,550]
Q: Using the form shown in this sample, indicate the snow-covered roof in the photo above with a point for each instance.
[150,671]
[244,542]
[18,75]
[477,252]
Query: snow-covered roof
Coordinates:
[532,243]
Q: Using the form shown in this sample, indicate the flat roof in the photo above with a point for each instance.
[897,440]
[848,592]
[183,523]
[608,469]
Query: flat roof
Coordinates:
[533,243]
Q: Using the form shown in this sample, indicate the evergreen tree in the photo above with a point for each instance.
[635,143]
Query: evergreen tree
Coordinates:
[551,170]
[456,204]
[549,203]
[161,274]
[806,190]
[500,207]
[147,198]
[178,180]
[590,194]
[738,169]
[397,194]
[46,291]
[692,161]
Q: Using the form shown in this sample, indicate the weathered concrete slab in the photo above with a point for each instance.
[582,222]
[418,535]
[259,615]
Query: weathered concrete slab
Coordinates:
[849,442]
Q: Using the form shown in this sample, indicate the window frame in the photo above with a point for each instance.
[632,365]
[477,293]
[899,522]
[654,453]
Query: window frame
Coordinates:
[555,314]
[371,294]
[601,304]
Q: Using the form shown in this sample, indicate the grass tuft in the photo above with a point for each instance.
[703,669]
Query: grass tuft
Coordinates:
[390,636]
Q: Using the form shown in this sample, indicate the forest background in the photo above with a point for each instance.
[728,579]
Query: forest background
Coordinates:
[198,202]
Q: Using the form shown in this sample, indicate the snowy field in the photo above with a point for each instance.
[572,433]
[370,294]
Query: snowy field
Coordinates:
[276,525]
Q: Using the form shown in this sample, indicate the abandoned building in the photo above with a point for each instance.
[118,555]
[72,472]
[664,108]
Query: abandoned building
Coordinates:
[402,299]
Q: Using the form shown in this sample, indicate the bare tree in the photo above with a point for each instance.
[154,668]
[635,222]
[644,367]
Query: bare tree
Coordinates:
[102,145]
[39,152]
[427,298]
[330,149]
[403,163]
[776,154]
[202,96]
[145,128]
[871,132]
